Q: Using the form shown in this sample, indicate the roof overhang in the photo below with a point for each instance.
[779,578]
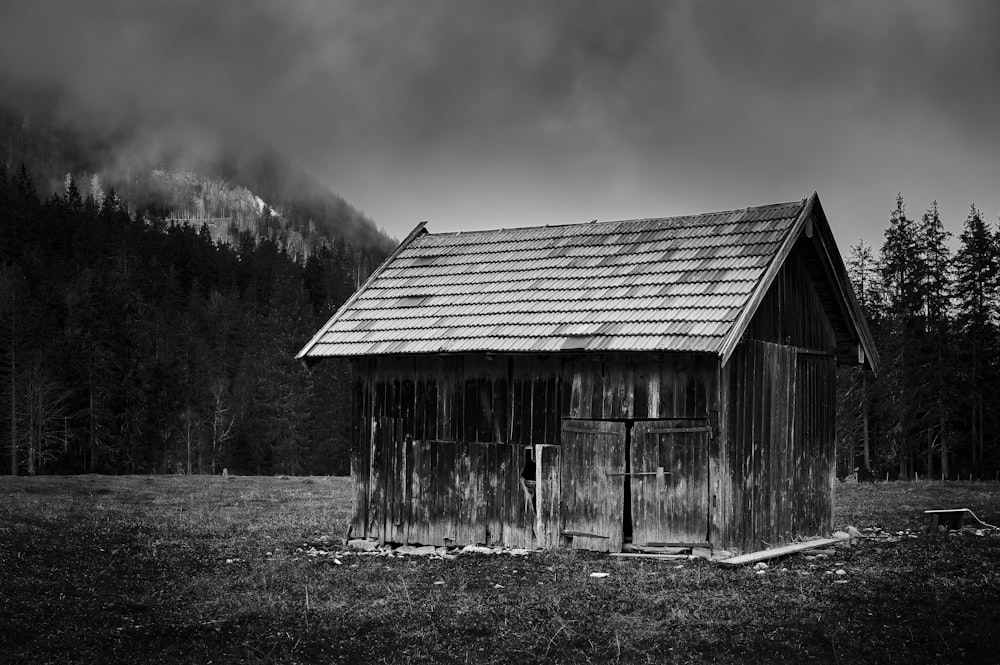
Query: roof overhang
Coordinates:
[813,224]
[303,355]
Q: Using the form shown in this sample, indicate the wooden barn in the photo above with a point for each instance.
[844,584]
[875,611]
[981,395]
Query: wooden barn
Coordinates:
[653,381]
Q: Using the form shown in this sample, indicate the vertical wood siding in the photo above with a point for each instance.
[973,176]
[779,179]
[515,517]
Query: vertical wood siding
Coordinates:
[792,312]
[778,444]
[669,481]
[469,449]
[771,470]
[682,385]
[815,440]
[593,476]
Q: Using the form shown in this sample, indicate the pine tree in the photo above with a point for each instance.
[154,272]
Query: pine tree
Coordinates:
[901,280]
[855,406]
[977,271]
[937,351]
[95,192]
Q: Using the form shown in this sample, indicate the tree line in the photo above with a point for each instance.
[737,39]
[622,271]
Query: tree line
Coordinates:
[933,306]
[132,345]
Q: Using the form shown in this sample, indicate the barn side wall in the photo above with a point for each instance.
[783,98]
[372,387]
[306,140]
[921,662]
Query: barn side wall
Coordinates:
[465,448]
[777,443]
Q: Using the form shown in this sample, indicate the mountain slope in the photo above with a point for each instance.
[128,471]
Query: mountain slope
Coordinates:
[233,183]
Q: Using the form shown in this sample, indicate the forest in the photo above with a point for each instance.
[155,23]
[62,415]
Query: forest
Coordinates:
[133,344]
[932,302]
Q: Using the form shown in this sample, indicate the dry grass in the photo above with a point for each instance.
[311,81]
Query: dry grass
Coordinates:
[175,570]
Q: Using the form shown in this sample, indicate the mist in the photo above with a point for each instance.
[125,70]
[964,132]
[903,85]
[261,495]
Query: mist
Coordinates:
[486,114]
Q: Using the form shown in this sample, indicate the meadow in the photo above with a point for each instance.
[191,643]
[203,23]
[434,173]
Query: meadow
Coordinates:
[198,569]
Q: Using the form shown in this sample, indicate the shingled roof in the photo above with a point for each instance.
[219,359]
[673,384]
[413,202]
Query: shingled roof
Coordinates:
[669,284]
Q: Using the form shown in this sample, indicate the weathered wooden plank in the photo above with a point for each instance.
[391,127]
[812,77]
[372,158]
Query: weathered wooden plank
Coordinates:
[746,525]
[359,470]
[467,482]
[628,391]
[653,392]
[552,418]
[596,372]
[400,482]
[639,385]
[499,430]
[719,471]
[393,410]
[668,384]
[527,392]
[470,409]
[421,511]
[760,420]
[583,375]
[593,501]
[516,411]
[704,371]
[575,382]
[484,412]
[547,496]
[687,389]
[641,555]
[538,410]
[788,452]
[565,390]
[616,389]
[407,404]
[388,434]
[768,528]
[456,386]
[774,552]
[419,408]
[493,498]
[406,483]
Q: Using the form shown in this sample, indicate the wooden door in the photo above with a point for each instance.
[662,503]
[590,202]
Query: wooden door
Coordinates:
[669,481]
[592,470]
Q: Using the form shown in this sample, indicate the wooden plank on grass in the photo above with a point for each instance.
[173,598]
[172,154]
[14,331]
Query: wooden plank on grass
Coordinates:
[639,555]
[775,552]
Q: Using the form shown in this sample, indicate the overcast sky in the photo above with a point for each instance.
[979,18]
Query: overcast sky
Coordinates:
[511,113]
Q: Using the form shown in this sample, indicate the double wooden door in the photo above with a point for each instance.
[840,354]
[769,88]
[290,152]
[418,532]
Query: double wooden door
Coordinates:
[660,467]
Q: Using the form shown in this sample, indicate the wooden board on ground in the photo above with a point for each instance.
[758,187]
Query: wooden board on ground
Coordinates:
[775,552]
[639,555]
[642,549]
[953,518]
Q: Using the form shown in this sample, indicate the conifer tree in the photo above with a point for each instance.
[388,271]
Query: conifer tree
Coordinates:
[936,361]
[900,260]
[977,270]
[855,403]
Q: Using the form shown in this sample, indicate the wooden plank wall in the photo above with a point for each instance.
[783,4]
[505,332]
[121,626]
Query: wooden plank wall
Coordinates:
[548,499]
[792,311]
[510,406]
[815,444]
[670,483]
[449,492]
[593,476]
[777,447]
[644,387]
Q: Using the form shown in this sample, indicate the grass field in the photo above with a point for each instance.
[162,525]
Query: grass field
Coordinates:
[177,569]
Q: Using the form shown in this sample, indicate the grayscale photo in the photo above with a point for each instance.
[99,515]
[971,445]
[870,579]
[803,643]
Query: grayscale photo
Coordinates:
[499,332]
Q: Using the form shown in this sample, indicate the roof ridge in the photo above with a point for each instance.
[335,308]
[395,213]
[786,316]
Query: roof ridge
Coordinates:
[594,222]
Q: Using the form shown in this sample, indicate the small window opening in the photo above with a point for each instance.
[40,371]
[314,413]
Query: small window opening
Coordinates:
[528,474]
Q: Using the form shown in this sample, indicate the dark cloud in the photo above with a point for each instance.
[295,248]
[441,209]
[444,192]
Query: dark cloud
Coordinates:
[416,109]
